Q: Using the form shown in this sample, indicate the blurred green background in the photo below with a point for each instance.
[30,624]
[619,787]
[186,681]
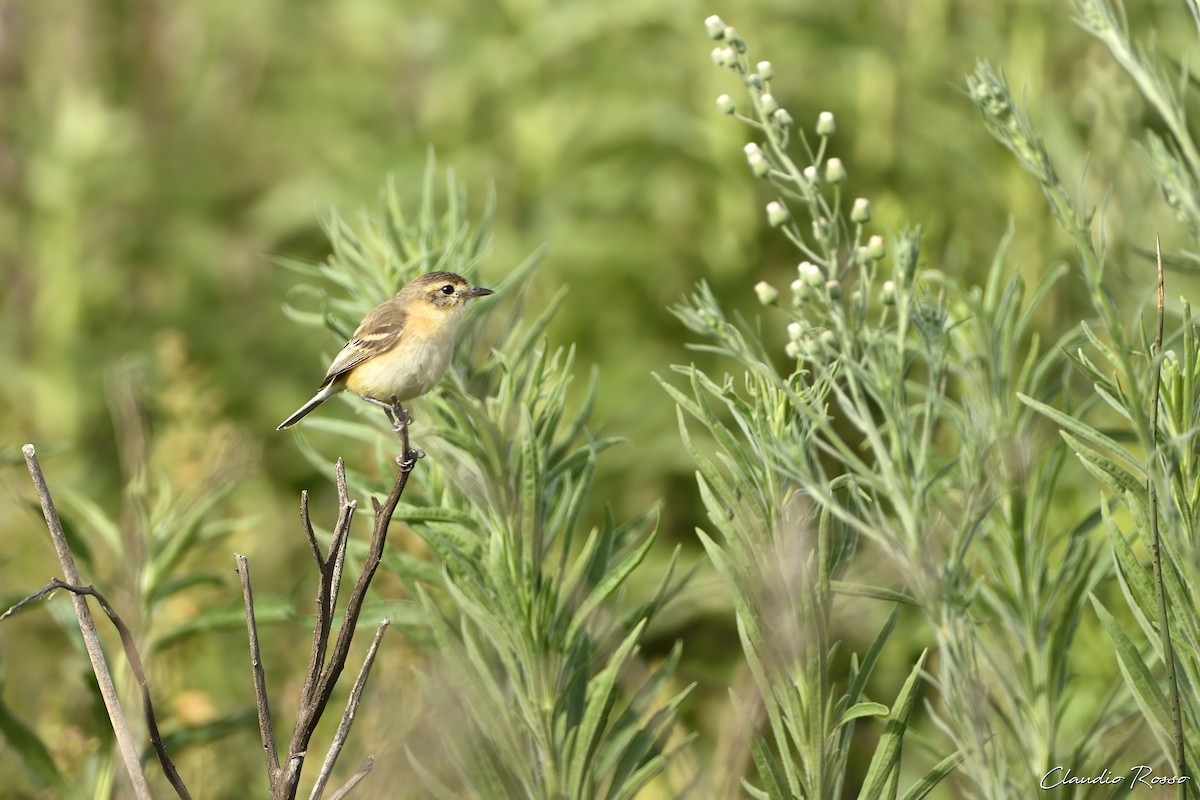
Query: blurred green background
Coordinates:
[152,152]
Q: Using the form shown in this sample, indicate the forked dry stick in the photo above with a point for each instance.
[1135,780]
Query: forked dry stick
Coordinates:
[135,664]
[91,639]
[326,660]
[343,731]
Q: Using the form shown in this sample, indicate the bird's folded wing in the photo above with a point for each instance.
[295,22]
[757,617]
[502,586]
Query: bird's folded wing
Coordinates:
[379,332]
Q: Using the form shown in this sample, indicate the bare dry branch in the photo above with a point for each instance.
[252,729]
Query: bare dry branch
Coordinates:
[341,536]
[135,664]
[325,663]
[91,639]
[306,520]
[359,774]
[326,678]
[343,731]
[328,574]
[265,728]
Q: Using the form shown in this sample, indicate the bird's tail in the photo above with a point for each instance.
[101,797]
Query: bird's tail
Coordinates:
[320,397]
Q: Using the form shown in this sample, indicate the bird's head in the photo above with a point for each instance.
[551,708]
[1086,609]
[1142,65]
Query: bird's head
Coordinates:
[441,291]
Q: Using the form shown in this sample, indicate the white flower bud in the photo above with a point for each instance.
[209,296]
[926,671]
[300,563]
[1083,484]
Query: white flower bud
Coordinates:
[826,125]
[875,247]
[861,212]
[777,213]
[888,295]
[834,171]
[767,294]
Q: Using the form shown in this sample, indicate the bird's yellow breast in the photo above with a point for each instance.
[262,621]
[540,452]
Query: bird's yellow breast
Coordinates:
[415,365]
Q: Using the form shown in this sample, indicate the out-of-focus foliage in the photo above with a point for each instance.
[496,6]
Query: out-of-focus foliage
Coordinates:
[151,152]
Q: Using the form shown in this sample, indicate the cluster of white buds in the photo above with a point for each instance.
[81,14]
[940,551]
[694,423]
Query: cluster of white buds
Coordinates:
[820,229]
[757,159]
[727,54]
[810,273]
[811,280]
[719,31]
[797,343]
[724,57]
[800,292]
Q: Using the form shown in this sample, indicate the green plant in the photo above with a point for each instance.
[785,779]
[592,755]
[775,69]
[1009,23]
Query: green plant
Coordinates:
[152,551]
[525,601]
[1147,463]
[895,433]
[788,529]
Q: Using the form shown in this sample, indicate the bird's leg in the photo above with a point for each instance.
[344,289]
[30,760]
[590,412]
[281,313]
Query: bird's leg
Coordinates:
[400,419]
[386,406]
[388,409]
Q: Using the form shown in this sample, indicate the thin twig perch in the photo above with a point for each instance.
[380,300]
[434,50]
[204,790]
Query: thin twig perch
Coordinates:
[91,639]
[325,662]
[343,731]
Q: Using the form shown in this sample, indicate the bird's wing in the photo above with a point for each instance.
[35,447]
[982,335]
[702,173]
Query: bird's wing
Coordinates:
[378,333]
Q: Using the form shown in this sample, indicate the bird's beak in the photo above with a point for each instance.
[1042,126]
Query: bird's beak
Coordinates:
[478,291]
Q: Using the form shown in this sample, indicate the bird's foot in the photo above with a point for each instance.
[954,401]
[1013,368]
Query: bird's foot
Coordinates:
[407,461]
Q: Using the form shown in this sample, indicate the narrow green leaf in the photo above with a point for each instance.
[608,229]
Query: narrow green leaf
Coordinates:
[1087,433]
[602,693]
[930,779]
[886,762]
[35,756]
[611,582]
[1139,678]
[850,589]
[1116,478]
[266,611]
[859,710]
[91,515]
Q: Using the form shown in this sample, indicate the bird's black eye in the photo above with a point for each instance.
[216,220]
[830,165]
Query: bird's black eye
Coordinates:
[448,289]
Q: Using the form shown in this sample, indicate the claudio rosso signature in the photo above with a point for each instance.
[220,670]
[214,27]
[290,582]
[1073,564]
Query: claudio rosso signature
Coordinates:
[1140,775]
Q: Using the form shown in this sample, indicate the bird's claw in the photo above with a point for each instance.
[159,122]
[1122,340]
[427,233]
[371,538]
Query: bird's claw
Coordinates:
[408,460]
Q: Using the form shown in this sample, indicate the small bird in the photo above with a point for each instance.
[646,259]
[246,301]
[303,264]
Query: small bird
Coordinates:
[402,348]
